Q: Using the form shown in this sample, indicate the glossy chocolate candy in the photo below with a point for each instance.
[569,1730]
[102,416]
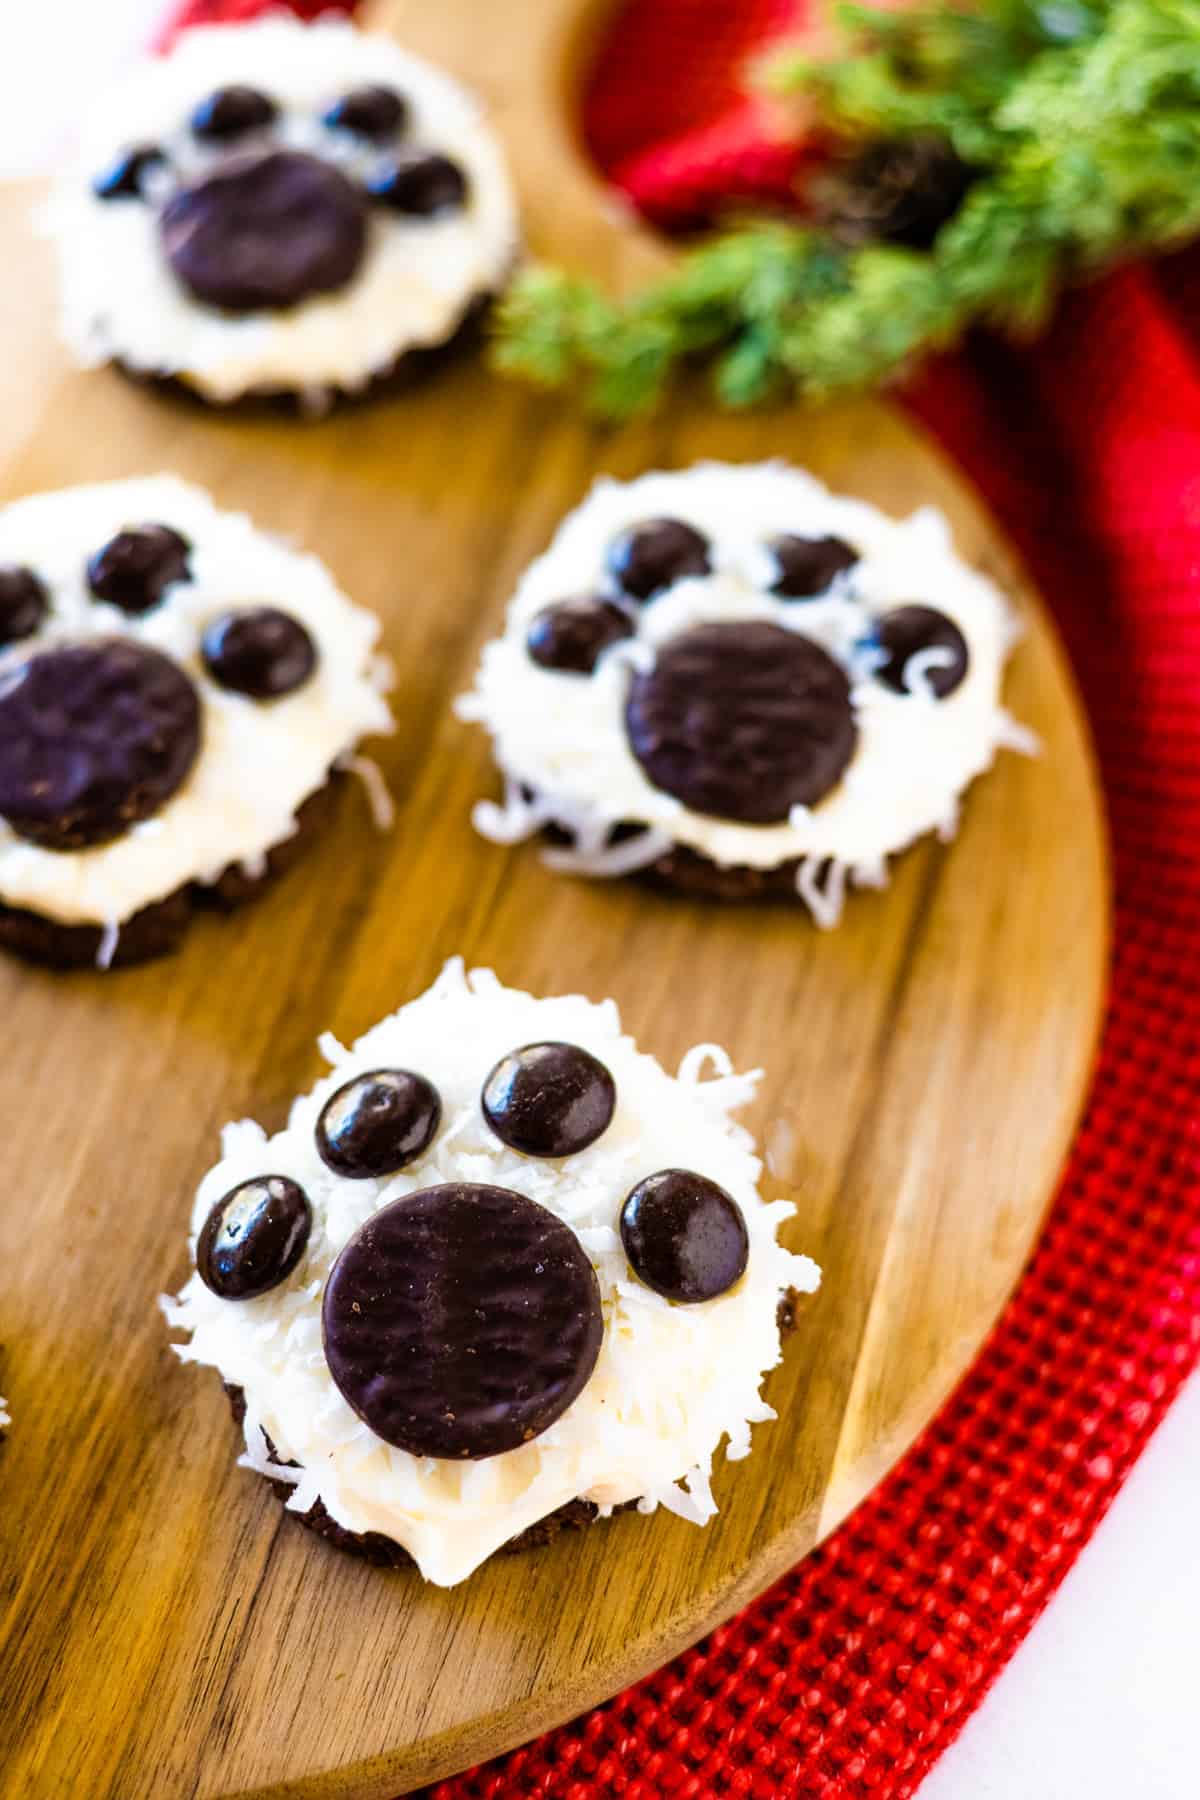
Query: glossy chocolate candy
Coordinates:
[685,1237]
[254,1237]
[377,1123]
[549,1100]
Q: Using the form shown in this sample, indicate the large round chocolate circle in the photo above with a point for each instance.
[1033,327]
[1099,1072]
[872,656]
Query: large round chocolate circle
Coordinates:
[922,631]
[262,652]
[742,721]
[93,738]
[461,1321]
[266,232]
[685,1237]
[254,1237]
[549,1099]
[378,1123]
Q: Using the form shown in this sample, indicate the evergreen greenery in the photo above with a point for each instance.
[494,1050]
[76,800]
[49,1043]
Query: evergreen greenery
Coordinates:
[1083,118]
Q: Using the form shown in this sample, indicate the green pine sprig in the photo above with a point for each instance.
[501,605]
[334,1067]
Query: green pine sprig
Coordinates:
[1083,117]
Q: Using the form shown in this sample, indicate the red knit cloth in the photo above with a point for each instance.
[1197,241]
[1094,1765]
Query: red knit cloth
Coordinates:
[848,1678]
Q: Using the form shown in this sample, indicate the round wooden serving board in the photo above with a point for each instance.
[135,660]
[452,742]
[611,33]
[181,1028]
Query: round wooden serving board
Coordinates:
[165,1630]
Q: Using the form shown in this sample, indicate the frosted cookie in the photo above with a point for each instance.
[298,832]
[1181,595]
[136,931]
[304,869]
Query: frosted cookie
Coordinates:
[499,1273]
[739,683]
[280,208]
[176,690]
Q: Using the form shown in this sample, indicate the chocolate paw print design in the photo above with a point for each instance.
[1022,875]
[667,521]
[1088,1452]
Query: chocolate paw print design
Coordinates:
[738,684]
[165,736]
[280,208]
[496,1235]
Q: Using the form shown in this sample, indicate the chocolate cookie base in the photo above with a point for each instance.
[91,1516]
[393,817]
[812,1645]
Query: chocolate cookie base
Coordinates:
[683,870]
[408,369]
[686,871]
[374,1547]
[159,928]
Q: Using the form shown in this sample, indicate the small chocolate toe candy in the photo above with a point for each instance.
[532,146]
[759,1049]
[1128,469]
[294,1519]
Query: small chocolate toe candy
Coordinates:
[231,112]
[652,556]
[94,737]
[806,567]
[378,1123]
[461,1321]
[421,182]
[685,1237]
[922,646]
[24,603]
[135,568]
[254,1237]
[549,1100]
[374,112]
[742,721]
[124,178]
[262,652]
[571,635]
[265,232]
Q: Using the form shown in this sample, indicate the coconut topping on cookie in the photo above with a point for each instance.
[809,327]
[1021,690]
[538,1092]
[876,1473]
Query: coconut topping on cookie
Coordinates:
[733,666]
[497,1261]
[280,207]
[174,685]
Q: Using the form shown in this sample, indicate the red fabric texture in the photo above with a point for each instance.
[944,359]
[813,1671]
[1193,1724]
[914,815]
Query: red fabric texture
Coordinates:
[847,1679]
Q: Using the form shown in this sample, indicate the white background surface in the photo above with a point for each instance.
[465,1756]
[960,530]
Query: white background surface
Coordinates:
[1102,1702]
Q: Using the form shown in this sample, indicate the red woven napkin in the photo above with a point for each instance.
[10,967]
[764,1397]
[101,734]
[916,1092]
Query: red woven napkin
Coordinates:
[848,1678]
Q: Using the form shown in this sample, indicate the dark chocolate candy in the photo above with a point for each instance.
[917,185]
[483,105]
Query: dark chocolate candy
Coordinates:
[262,652]
[651,556]
[378,1123]
[135,568]
[254,1237]
[125,176]
[571,635]
[461,1321]
[422,183]
[265,232]
[808,566]
[549,1099]
[685,1237]
[742,721]
[230,112]
[908,632]
[93,738]
[373,112]
[24,603]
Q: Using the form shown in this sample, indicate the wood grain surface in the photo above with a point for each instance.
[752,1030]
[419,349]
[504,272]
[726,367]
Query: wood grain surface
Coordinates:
[165,1631]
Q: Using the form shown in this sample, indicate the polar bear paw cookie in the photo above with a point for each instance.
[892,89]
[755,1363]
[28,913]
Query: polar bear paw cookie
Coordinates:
[280,208]
[176,690]
[498,1274]
[741,684]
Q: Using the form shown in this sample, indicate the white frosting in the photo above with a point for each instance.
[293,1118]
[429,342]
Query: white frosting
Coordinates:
[671,1381]
[258,760]
[563,735]
[120,298]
